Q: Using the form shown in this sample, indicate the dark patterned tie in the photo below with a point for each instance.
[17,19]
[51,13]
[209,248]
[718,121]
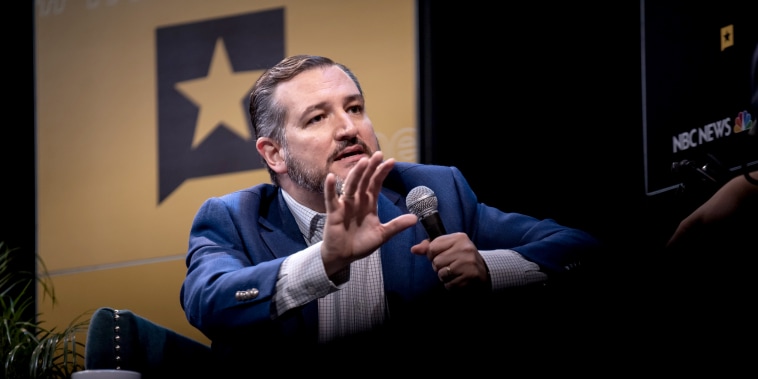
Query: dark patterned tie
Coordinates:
[316,231]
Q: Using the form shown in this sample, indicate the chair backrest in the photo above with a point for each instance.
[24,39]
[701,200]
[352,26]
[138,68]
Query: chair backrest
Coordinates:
[121,339]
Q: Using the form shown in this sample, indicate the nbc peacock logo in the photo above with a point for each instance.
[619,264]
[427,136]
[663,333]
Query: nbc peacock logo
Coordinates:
[743,122]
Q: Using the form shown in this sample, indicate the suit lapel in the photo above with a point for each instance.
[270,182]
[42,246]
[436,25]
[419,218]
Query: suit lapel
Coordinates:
[279,229]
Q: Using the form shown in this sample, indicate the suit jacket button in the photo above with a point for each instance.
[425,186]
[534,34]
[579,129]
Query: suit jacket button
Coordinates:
[246,295]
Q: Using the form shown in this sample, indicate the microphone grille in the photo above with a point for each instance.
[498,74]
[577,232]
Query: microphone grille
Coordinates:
[421,201]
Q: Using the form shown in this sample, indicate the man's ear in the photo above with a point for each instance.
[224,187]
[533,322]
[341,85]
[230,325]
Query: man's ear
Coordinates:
[272,153]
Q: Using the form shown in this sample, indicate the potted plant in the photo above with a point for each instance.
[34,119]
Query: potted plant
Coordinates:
[28,349]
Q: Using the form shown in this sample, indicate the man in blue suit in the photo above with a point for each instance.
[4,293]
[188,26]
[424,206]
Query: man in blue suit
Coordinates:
[328,254]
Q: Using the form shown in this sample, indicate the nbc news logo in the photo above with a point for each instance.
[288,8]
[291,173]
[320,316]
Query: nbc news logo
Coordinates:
[712,131]
[743,122]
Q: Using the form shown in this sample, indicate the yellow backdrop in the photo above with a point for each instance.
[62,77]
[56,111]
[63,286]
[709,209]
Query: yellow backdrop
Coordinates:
[134,99]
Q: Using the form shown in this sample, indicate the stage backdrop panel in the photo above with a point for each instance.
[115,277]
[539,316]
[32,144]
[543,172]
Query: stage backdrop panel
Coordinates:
[700,91]
[141,116]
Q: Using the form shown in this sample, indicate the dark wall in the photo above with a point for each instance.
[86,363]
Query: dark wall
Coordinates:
[17,210]
[17,166]
[540,107]
[17,153]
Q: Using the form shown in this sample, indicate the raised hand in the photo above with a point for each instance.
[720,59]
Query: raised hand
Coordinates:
[352,229]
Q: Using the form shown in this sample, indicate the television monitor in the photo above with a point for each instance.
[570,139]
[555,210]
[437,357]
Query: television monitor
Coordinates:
[699,91]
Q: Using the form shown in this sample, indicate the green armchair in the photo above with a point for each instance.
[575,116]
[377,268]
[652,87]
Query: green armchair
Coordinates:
[121,339]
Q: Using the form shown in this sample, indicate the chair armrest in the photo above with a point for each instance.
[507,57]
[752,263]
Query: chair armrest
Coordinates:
[121,339]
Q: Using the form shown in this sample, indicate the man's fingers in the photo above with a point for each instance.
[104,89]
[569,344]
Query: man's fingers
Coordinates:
[365,180]
[379,174]
[330,191]
[350,186]
[398,224]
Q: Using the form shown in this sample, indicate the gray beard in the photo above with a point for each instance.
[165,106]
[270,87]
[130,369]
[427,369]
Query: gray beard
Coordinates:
[310,179]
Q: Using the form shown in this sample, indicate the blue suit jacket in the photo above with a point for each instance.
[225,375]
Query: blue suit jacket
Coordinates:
[238,242]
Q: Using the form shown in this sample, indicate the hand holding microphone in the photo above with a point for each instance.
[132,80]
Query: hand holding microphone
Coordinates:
[455,258]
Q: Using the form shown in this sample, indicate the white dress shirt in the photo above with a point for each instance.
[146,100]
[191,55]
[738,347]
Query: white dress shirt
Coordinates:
[354,301]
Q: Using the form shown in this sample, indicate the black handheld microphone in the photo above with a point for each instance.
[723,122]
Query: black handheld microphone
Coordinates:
[422,202]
